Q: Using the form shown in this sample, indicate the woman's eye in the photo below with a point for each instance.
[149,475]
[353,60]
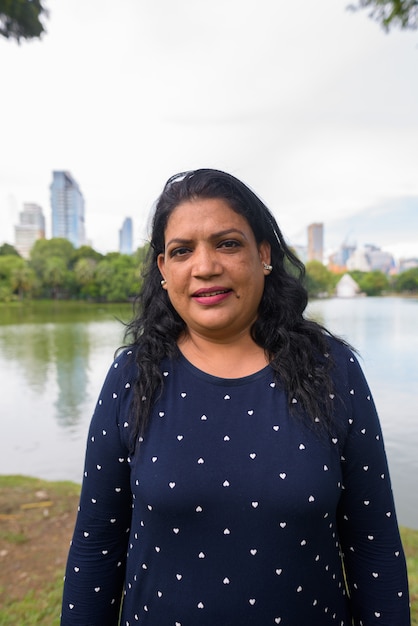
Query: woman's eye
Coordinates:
[230,243]
[179,251]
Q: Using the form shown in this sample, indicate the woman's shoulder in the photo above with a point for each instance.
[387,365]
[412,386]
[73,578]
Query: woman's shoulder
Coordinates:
[338,348]
[347,372]
[126,355]
[124,365]
[343,358]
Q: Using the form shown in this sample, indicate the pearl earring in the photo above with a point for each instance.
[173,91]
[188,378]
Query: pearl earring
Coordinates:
[267,267]
[163,282]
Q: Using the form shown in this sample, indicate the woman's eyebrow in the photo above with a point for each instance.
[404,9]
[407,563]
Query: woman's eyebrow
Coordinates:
[221,233]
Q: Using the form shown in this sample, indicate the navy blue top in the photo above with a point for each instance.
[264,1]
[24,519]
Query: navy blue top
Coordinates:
[233,512]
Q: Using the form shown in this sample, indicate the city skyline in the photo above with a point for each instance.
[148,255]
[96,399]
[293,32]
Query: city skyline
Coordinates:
[310,246]
[314,107]
[402,221]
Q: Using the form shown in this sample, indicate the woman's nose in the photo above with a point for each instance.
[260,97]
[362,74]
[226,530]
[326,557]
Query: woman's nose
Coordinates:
[205,262]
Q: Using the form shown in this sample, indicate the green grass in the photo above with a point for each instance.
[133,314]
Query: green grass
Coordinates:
[17,538]
[40,606]
[42,609]
[410,543]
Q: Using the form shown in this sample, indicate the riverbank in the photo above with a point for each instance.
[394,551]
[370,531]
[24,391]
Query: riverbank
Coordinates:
[36,524]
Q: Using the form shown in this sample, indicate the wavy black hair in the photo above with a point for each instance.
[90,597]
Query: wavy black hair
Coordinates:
[296,347]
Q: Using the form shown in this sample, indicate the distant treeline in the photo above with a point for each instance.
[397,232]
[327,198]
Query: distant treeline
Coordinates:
[57,270]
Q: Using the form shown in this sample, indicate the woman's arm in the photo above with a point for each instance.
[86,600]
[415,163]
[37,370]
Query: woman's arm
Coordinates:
[373,556]
[96,562]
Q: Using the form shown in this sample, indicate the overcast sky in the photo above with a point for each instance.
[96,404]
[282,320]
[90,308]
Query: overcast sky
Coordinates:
[313,106]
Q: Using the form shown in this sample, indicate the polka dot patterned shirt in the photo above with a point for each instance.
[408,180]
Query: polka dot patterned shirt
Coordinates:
[233,512]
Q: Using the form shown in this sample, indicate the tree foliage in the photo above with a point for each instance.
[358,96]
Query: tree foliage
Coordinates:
[86,252]
[117,276]
[373,283]
[7,249]
[391,13]
[57,270]
[56,276]
[85,277]
[16,277]
[319,281]
[51,261]
[407,281]
[23,281]
[22,19]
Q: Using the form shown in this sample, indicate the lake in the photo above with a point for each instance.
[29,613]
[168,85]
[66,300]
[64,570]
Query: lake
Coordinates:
[54,357]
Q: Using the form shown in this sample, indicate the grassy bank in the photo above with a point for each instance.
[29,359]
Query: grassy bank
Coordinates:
[36,522]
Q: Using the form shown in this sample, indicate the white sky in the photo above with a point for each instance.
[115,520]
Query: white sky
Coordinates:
[313,106]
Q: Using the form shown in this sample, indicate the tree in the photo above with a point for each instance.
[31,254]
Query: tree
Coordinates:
[23,280]
[117,276]
[318,279]
[407,281]
[10,268]
[85,277]
[85,252]
[391,13]
[45,248]
[50,259]
[7,249]
[22,19]
[56,276]
[373,283]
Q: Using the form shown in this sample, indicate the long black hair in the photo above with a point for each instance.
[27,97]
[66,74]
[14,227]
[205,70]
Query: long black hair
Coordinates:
[296,347]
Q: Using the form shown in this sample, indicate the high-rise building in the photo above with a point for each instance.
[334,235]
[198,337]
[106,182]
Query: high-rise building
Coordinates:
[338,260]
[126,237]
[369,258]
[67,207]
[316,242]
[30,228]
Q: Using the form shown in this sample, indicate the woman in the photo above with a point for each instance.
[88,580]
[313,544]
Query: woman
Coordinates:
[235,470]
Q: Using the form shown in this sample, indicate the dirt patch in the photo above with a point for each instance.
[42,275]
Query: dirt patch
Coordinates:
[36,524]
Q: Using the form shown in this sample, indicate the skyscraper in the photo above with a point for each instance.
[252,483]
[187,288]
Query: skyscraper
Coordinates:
[125,237]
[30,228]
[67,206]
[316,242]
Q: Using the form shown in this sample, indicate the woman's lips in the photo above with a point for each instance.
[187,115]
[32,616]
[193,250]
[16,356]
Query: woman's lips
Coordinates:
[212,295]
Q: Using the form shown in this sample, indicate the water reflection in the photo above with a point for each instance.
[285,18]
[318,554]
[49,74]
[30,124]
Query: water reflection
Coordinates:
[71,348]
[29,346]
[51,356]
[51,375]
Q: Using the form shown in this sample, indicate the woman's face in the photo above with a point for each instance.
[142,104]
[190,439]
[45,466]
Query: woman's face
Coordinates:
[214,268]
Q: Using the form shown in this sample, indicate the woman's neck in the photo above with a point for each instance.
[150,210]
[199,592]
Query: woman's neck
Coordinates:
[227,359]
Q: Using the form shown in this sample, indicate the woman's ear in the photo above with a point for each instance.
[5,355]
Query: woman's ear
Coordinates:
[161,263]
[161,267]
[264,250]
